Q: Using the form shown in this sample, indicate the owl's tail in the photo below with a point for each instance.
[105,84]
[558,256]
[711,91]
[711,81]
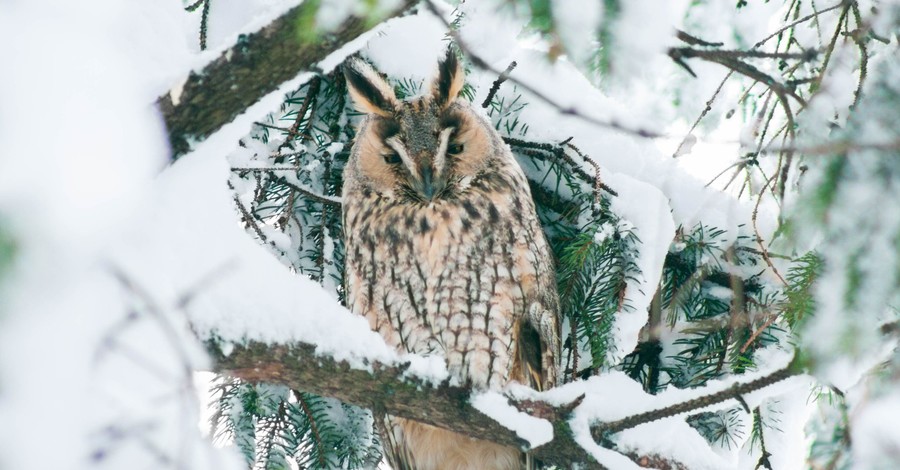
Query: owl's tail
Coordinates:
[410,445]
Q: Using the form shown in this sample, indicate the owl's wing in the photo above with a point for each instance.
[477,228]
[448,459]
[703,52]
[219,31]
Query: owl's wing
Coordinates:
[538,347]
[537,337]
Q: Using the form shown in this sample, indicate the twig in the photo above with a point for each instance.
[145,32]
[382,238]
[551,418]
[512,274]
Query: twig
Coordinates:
[249,219]
[204,22]
[742,68]
[312,93]
[759,239]
[204,19]
[695,41]
[835,148]
[863,53]
[559,152]
[598,185]
[830,49]
[738,310]
[703,114]
[185,299]
[312,425]
[193,7]
[758,332]
[496,86]
[330,200]
[599,432]
[269,126]
[795,23]
[764,458]
[688,52]
[791,84]
[265,169]
[323,227]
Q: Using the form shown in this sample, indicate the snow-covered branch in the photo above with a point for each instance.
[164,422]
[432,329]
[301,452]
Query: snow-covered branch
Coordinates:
[395,389]
[249,70]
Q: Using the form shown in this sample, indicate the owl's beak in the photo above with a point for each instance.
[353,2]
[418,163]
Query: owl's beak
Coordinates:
[430,183]
[427,186]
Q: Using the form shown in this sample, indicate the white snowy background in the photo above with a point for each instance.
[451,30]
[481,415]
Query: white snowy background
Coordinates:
[122,258]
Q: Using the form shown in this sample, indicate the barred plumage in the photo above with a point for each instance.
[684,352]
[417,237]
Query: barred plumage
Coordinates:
[445,254]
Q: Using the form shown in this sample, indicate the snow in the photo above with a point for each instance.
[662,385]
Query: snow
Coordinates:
[643,30]
[119,359]
[647,209]
[238,291]
[577,23]
[491,30]
[786,441]
[249,295]
[617,153]
[117,258]
[431,369]
[164,44]
[877,440]
[495,405]
[613,396]
[332,14]
[130,263]
[421,38]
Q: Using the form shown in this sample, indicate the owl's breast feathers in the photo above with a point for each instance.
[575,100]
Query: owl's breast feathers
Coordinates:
[469,277]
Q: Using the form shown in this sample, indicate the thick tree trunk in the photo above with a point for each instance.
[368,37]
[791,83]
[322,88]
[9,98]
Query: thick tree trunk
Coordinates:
[252,68]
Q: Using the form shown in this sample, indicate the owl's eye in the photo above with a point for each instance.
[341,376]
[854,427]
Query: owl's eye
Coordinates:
[455,149]
[392,158]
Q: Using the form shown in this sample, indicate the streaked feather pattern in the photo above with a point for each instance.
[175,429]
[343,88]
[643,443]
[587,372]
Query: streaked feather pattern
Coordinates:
[445,255]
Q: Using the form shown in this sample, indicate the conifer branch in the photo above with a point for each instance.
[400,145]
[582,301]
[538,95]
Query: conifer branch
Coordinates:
[559,152]
[389,389]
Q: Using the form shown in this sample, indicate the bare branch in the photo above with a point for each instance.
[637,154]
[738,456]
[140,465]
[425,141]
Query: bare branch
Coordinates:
[801,20]
[729,60]
[695,41]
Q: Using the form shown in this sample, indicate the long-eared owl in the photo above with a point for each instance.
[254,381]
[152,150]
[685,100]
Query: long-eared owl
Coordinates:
[445,254]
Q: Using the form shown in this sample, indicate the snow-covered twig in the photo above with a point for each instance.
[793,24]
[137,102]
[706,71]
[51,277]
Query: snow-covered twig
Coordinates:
[730,393]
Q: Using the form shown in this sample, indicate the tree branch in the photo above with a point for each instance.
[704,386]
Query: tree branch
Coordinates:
[252,68]
[388,389]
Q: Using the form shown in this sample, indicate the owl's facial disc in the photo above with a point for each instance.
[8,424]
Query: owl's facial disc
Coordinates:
[426,170]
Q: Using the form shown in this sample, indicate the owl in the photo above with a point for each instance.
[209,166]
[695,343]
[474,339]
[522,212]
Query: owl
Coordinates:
[445,255]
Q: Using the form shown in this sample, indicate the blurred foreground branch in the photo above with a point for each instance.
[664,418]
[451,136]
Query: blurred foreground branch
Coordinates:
[257,65]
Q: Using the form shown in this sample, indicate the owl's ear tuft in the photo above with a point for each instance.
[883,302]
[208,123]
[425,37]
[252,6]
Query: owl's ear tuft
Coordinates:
[449,81]
[370,93]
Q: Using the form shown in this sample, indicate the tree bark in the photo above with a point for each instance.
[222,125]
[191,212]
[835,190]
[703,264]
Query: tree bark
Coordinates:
[251,69]
[387,389]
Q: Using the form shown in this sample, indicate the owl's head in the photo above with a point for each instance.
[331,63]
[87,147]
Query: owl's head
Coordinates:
[421,149]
